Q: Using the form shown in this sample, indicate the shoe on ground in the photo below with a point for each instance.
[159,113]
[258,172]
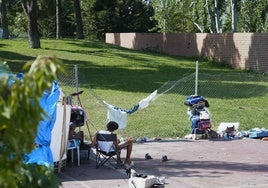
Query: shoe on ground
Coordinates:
[164,158]
[148,156]
[129,165]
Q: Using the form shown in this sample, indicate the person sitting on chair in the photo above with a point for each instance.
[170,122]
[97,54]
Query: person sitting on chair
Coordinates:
[75,122]
[77,136]
[111,127]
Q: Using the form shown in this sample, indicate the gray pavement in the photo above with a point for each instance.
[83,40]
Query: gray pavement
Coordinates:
[191,164]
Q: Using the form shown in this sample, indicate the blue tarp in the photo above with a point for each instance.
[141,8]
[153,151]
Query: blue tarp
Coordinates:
[42,153]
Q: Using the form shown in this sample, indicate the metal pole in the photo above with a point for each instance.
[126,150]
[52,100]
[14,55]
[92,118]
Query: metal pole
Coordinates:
[76,77]
[76,86]
[196,78]
[79,100]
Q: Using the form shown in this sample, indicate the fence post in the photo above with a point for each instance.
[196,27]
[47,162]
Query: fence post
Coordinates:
[196,78]
[76,77]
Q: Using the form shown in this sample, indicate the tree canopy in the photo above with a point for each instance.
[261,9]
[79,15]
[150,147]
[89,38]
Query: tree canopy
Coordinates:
[91,19]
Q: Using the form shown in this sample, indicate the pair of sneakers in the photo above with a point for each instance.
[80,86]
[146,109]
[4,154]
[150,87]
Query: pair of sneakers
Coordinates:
[129,165]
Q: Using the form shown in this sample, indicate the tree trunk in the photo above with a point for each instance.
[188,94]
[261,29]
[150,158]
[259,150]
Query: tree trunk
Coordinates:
[58,19]
[79,21]
[30,9]
[234,15]
[217,17]
[210,15]
[4,19]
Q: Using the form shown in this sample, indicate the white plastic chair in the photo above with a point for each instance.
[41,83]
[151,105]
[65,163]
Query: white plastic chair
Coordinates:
[72,145]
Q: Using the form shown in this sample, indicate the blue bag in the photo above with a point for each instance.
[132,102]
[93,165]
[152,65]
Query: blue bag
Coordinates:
[193,99]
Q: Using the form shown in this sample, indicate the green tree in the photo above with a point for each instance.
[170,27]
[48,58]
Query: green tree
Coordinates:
[253,16]
[234,7]
[133,16]
[117,16]
[78,20]
[166,15]
[4,21]
[180,16]
[46,14]
[68,22]
[215,11]
[58,19]
[17,22]
[30,9]
[102,16]
[19,117]
[199,16]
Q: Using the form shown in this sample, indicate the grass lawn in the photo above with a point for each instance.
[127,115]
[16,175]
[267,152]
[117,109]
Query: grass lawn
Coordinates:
[123,77]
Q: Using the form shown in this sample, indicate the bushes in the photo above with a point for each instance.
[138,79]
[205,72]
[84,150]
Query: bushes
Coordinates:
[19,117]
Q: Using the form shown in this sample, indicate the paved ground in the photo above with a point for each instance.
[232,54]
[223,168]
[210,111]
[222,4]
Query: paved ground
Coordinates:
[191,164]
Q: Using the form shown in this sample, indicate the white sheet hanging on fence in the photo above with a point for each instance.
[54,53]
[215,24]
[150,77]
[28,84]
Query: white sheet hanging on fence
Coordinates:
[145,102]
[119,115]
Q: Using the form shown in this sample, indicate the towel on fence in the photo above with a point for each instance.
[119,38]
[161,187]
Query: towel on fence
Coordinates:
[145,102]
[119,115]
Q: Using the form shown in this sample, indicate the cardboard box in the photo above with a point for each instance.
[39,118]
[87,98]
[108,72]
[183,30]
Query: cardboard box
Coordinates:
[139,182]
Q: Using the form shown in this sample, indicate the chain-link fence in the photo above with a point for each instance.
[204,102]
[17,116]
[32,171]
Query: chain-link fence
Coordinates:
[233,97]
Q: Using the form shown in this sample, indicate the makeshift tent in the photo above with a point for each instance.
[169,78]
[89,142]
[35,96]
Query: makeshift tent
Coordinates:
[52,132]
[42,153]
[59,138]
[51,139]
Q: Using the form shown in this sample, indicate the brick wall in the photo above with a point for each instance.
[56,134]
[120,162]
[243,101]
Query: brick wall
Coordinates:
[240,50]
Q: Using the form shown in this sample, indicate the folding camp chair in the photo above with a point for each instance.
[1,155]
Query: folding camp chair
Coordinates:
[106,151]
